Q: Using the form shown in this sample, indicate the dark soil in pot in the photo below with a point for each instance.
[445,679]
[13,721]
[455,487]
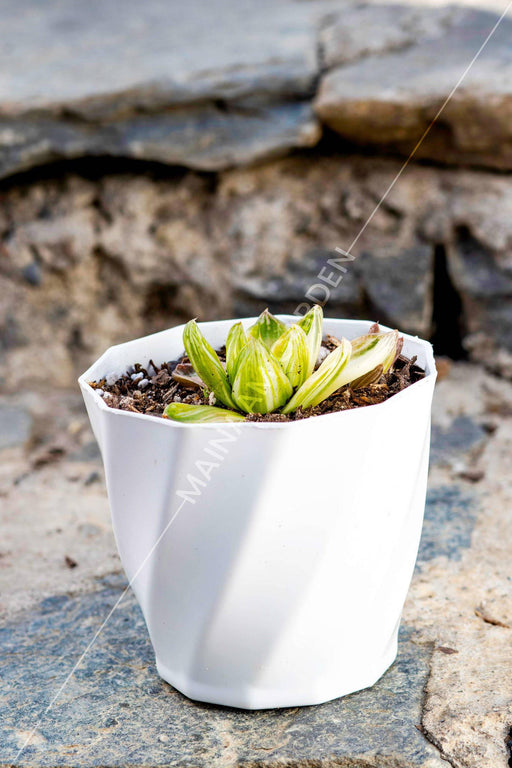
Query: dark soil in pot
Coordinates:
[149,390]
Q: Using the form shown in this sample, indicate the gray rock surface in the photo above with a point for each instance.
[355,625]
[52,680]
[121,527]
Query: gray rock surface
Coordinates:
[284,289]
[462,436]
[15,426]
[207,137]
[88,263]
[197,84]
[450,516]
[467,710]
[52,504]
[389,99]
[400,284]
[103,62]
[211,86]
[127,715]
[484,282]
[96,262]
[445,702]
[371,29]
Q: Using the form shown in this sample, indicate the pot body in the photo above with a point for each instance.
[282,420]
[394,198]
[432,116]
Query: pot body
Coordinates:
[271,561]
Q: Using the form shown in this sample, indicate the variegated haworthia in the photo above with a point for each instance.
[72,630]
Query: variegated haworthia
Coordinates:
[271,367]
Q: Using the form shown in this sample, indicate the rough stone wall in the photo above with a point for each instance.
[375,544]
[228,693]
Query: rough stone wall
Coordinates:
[87,263]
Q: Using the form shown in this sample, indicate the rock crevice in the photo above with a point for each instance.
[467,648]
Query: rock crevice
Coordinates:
[87,262]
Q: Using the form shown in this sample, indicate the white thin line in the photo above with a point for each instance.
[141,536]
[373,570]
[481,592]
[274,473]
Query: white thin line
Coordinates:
[98,632]
[428,129]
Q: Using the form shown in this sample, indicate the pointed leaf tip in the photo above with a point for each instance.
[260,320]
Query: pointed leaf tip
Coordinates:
[312,324]
[267,329]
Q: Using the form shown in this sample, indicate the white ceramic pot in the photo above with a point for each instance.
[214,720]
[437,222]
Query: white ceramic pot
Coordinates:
[271,561]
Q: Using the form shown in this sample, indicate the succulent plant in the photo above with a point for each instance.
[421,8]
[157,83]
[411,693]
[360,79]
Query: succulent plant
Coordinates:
[271,367]
[196,414]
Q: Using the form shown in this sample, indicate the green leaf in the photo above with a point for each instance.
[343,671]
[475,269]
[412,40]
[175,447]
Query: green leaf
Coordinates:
[365,354]
[199,414]
[292,354]
[206,363]
[311,324]
[324,381]
[260,385]
[235,342]
[267,329]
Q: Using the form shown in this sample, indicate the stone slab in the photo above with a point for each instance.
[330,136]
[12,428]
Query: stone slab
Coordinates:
[15,426]
[206,137]
[407,304]
[451,443]
[450,517]
[91,262]
[96,60]
[210,86]
[388,98]
[373,29]
[117,711]
[56,536]
[169,85]
[445,702]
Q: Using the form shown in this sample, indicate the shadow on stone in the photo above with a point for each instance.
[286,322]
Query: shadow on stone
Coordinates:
[116,710]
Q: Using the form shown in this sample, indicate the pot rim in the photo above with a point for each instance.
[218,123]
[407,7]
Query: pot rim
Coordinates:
[98,401]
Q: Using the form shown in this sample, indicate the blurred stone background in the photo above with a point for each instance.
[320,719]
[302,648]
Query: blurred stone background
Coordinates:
[164,160]
[153,171]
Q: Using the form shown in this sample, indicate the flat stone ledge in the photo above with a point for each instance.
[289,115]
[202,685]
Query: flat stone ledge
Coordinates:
[388,98]
[213,86]
[198,84]
[96,61]
[117,711]
[205,137]
[445,702]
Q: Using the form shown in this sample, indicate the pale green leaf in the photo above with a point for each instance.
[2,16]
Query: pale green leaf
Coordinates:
[200,414]
[235,342]
[260,385]
[267,329]
[206,363]
[370,351]
[292,354]
[311,324]
[368,378]
[324,381]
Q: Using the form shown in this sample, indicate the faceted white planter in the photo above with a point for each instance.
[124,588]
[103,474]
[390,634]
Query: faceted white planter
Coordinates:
[281,577]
